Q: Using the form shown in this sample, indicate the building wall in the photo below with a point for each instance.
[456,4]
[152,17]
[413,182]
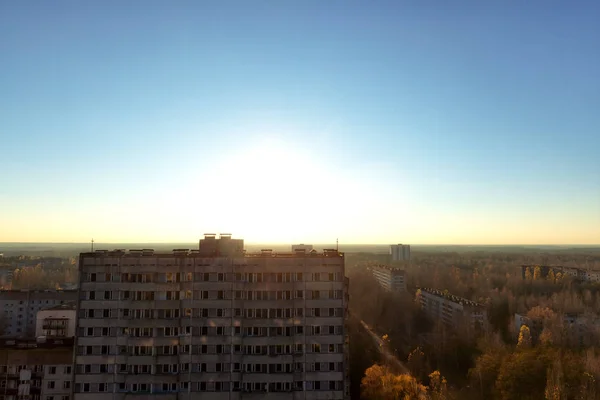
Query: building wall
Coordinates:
[453,313]
[389,278]
[50,322]
[37,372]
[400,252]
[19,308]
[174,324]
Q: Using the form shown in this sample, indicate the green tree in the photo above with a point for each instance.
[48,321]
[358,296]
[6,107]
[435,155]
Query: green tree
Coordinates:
[522,375]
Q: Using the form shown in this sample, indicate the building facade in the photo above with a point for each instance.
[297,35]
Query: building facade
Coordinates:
[391,279]
[453,311]
[33,370]
[19,308]
[400,252]
[215,322]
[57,321]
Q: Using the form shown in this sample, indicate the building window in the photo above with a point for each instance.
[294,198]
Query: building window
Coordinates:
[51,384]
[52,370]
[67,385]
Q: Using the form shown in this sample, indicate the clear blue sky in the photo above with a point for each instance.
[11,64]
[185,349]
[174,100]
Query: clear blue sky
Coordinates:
[374,122]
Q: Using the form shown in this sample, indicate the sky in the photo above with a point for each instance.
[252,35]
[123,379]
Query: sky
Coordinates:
[463,122]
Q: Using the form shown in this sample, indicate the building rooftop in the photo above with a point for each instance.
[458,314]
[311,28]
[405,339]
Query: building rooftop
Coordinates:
[65,306]
[194,253]
[452,298]
[394,269]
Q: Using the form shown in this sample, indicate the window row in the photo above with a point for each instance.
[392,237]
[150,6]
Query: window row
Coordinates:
[144,295]
[210,386]
[270,368]
[56,384]
[275,349]
[270,331]
[242,277]
[251,313]
[38,368]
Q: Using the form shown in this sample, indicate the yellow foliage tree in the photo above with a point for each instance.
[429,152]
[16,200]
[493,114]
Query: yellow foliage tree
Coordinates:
[528,274]
[380,384]
[537,273]
[524,337]
[551,277]
[438,386]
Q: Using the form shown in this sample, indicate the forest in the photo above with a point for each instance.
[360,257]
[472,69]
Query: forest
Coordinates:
[550,357]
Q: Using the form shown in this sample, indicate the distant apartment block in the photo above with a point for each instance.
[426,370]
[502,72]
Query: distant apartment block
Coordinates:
[582,274]
[453,311]
[400,252]
[34,370]
[391,279]
[581,330]
[56,322]
[213,323]
[19,308]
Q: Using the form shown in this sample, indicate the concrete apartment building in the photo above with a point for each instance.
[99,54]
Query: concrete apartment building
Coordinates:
[213,323]
[57,321]
[19,308]
[400,252]
[34,370]
[453,311]
[391,279]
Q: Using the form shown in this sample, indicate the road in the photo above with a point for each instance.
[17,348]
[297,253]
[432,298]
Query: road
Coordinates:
[385,352]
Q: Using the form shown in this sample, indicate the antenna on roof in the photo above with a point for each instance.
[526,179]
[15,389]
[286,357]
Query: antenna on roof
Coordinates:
[92,245]
[337,245]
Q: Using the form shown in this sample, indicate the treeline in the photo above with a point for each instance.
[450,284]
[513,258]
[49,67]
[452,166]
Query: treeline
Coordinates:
[550,361]
[37,273]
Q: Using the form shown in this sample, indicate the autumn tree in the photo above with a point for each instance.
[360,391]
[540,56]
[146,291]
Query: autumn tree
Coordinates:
[555,389]
[537,273]
[528,274]
[438,386]
[524,337]
[417,364]
[522,375]
[380,384]
[551,276]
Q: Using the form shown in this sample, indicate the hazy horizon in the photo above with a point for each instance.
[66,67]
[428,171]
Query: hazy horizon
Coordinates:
[467,122]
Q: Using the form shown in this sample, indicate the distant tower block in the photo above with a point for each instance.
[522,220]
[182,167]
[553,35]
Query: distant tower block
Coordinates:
[400,252]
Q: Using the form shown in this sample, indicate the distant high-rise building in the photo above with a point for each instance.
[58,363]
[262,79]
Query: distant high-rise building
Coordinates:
[212,323]
[400,252]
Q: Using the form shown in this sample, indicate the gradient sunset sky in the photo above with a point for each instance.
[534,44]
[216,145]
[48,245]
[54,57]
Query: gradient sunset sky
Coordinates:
[455,122]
